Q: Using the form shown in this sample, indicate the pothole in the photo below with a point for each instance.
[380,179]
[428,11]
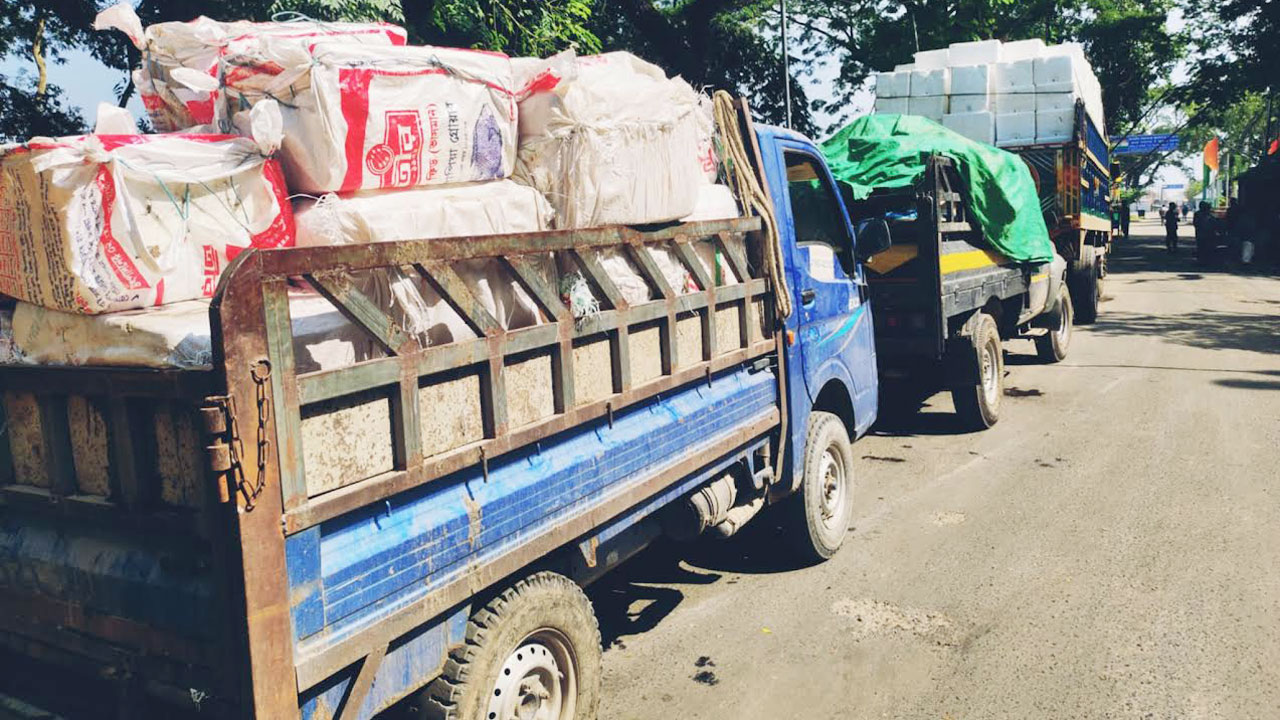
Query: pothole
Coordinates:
[872,617]
[943,519]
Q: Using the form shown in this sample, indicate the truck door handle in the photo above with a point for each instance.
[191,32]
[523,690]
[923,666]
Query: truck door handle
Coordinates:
[807,296]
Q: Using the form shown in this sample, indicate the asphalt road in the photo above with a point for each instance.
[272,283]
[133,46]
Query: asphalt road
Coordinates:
[1111,549]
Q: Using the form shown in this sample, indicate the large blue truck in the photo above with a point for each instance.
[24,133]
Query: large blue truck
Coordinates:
[260,540]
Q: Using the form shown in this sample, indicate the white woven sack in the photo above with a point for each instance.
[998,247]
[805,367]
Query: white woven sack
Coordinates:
[179,80]
[612,140]
[365,118]
[96,224]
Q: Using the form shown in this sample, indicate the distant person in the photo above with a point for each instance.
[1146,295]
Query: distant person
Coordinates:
[1125,211]
[1171,228]
[1206,233]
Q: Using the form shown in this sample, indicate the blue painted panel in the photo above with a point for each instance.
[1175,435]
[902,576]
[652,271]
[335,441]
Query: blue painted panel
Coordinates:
[306,606]
[835,333]
[381,558]
[160,582]
[407,665]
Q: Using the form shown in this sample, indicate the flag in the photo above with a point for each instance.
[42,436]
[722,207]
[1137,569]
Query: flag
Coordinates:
[1211,154]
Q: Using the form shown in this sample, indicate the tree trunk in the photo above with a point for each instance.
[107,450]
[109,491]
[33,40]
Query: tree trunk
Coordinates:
[37,52]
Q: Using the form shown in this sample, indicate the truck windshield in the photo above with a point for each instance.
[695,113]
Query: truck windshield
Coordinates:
[818,221]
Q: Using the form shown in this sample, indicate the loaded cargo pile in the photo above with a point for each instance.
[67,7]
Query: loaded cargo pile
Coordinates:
[304,133]
[1003,94]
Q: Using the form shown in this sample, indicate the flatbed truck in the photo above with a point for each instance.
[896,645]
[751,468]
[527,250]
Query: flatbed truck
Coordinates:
[1073,179]
[252,541]
[945,298]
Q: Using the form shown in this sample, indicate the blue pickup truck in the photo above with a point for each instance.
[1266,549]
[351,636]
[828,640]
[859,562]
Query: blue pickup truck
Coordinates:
[266,540]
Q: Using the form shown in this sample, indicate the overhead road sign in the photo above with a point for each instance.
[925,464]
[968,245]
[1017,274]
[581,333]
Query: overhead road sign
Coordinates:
[1143,144]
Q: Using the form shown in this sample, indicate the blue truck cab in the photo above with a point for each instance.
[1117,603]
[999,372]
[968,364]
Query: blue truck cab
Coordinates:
[262,539]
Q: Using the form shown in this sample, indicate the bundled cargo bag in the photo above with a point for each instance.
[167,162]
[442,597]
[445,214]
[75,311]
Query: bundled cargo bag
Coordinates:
[172,336]
[179,79]
[610,139]
[99,223]
[480,209]
[368,118]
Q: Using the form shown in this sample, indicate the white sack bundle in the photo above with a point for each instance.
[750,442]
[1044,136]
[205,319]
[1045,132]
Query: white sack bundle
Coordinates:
[370,118]
[172,336]
[99,223]
[481,209]
[609,139]
[179,79]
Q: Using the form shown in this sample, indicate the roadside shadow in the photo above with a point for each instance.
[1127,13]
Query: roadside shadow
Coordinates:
[1205,329]
[639,594]
[1242,384]
[903,411]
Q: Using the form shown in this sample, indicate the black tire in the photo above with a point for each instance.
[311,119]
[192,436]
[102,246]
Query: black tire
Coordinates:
[977,359]
[1052,346]
[1086,291]
[818,516]
[545,615]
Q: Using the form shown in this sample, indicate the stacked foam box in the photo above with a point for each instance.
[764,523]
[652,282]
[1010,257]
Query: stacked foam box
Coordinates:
[1006,94]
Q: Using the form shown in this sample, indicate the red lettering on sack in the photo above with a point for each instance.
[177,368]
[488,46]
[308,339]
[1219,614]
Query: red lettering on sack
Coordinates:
[353,87]
[160,292]
[433,126]
[211,262]
[210,284]
[397,161]
[282,232]
[116,256]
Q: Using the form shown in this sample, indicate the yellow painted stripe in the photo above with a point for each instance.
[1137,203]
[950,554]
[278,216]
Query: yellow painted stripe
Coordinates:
[893,258]
[1039,278]
[971,260]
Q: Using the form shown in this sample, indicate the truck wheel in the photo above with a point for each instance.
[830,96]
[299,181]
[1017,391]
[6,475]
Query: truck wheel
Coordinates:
[533,651]
[1052,346]
[1086,289]
[821,512]
[980,373]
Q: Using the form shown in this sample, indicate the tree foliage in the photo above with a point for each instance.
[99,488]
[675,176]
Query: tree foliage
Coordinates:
[45,31]
[717,44]
[1126,41]
[1237,50]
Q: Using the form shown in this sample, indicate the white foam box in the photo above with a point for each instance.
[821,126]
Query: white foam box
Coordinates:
[1022,50]
[932,59]
[1015,128]
[971,103]
[1055,101]
[930,83]
[905,67]
[977,126]
[1060,69]
[893,84]
[1055,126]
[973,79]
[978,52]
[1015,102]
[892,106]
[1015,77]
[931,107]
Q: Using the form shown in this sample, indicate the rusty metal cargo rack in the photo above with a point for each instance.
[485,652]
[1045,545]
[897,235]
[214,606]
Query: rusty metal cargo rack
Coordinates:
[251,324]
[329,270]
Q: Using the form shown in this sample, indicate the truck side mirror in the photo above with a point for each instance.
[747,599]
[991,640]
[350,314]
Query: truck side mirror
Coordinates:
[873,238]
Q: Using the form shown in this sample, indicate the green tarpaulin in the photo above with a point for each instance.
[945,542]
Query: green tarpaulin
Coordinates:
[889,151]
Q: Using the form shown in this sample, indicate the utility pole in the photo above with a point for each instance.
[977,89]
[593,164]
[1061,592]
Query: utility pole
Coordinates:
[786,64]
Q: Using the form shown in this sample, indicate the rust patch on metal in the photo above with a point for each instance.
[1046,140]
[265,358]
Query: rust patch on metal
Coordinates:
[475,516]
